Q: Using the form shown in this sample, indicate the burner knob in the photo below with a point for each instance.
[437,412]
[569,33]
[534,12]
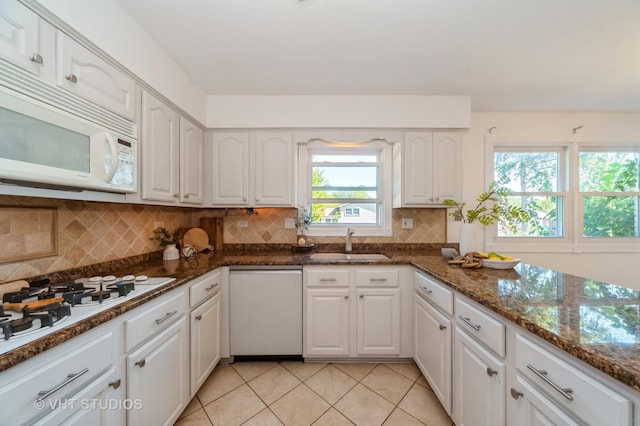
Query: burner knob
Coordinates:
[95,279]
[128,278]
[142,278]
[109,278]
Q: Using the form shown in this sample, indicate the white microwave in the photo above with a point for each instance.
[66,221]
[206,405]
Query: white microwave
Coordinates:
[43,147]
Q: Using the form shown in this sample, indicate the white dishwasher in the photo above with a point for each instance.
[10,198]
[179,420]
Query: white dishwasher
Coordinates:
[265,310]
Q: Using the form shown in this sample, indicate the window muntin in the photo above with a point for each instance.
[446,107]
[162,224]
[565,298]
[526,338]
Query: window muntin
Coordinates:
[346,187]
[535,177]
[609,191]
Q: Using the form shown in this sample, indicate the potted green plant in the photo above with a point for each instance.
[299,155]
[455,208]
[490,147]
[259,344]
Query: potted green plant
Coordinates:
[168,240]
[491,207]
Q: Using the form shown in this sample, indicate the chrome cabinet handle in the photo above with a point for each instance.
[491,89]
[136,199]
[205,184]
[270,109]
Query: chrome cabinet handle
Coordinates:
[42,395]
[443,327]
[515,394]
[377,280]
[346,297]
[72,78]
[211,287]
[115,384]
[426,290]
[476,327]
[166,317]
[37,58]
[543,375]
[362,296]
[141,363]
[328,280]
[186,197]
[199,317]
[491,372]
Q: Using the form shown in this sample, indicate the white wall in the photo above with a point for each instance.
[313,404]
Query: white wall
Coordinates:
[106,24]
[338,111]
[616,268]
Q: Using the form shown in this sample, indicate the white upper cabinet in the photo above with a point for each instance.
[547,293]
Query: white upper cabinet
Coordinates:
[26,40]
[82,72]
[274,169]
[230,161]
[160,150]
[252,169]
[427,169]
[191,162]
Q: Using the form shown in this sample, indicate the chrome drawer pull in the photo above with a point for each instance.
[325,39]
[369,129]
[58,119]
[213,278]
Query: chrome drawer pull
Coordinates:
[72,78]
[426,290]
[328,280]
[377,280]
[115,384]
[141,363]
[476,327]
[211,287]
[199,317]
[543,375]
[37,58]
[346,297]
[166,317]
[42,395]
[491,372]
[515,393]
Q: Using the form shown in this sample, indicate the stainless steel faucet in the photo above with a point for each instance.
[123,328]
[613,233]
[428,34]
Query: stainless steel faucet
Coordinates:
[350,232]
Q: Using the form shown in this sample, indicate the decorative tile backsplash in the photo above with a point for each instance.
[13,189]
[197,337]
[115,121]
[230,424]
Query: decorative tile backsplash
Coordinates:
[87,232]
[28,233]
[93,232]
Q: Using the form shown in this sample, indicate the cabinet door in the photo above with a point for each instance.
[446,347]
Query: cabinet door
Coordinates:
[205,341]
[535,409]
[191,162]
[447,166]
[327,322]
[378,321]
[22,41]
[274,169]
[82,72]
[100,403]
[433,349]
[230,169]
[417,173]
[160,150]
[480,392]
[157,375]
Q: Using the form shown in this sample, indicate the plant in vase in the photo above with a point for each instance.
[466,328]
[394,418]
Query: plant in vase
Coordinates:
[302,221]
[491,207]
[169,240]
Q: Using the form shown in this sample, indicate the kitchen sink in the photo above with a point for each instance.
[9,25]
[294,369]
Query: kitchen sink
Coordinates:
[344,256]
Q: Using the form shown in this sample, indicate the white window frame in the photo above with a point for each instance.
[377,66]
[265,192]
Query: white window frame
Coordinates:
[572,241]
[385,187]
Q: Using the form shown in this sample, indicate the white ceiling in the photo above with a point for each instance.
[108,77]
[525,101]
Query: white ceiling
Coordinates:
[508,55]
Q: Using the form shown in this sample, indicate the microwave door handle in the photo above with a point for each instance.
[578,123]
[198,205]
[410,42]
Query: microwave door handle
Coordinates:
[114,157]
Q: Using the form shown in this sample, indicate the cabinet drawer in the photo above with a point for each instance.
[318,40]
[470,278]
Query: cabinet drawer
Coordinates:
[205,287]
[153,319]
[582,395]
[70,372]
[436,293]
[327,277]
[480,325]
[372,277]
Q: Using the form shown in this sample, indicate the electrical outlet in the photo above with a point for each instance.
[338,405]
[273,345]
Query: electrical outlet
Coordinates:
[242,224]
[289,223]
[407,223]
[159,224]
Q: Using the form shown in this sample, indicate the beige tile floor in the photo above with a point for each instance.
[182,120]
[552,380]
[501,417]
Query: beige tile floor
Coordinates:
[297,393]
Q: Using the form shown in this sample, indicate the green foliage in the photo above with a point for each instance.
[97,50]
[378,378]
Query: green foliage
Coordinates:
[492,207]
[165,237]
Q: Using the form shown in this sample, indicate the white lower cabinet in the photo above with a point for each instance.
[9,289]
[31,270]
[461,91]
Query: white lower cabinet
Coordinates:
[351,312]
[327,321]
[533,408]
[433,349]
[480,386]
[205,341]
[158,377]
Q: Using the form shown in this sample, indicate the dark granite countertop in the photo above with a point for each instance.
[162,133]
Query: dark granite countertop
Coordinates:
[596,322]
